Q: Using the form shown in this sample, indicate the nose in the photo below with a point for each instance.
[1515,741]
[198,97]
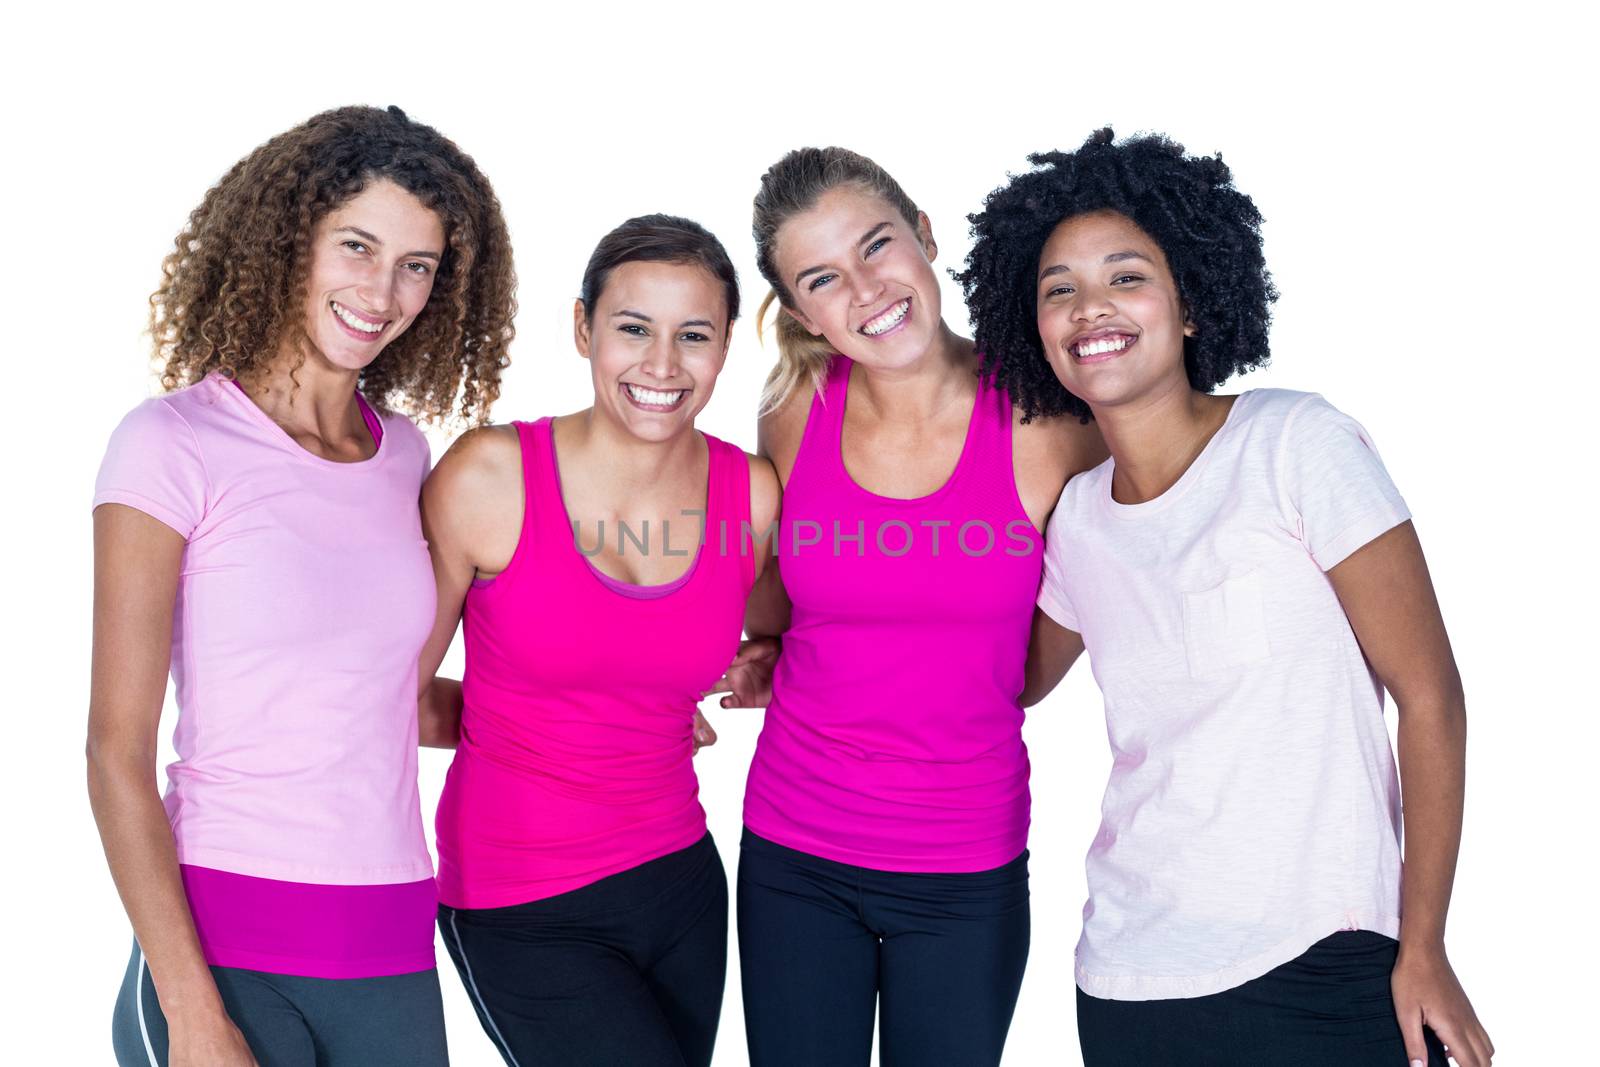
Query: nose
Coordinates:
[661,358]
[377,290]
[1093,303]
[865,287]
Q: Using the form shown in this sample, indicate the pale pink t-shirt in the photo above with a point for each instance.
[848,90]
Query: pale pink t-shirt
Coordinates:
[304,596]
[1253,806]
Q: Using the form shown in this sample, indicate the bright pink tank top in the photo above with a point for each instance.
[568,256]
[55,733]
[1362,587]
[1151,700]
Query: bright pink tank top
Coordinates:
[894,736]
[577,727]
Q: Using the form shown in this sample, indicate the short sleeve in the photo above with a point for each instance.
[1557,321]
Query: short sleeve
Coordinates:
[1334,484]
[153,464]
[1053,600]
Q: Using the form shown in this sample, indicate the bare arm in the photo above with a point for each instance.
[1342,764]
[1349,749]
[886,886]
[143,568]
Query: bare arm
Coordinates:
[472,518]
[136,563]
[1388,596]
[748,679]
[778,436]
[1052,650]
[1046,454]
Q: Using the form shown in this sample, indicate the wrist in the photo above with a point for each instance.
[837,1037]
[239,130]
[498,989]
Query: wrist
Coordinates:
[191,1004]
[1421,946]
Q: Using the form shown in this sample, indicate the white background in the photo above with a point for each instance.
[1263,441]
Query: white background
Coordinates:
[1429,221]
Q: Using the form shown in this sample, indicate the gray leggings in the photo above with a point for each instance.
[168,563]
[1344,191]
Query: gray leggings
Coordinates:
[288,1021]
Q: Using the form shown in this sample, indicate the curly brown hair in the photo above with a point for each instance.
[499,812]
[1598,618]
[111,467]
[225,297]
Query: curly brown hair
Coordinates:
[232,289]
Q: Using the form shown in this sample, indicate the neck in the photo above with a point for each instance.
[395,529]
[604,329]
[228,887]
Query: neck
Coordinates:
[922,388]
[633,464]
[1155,438]
[314,398]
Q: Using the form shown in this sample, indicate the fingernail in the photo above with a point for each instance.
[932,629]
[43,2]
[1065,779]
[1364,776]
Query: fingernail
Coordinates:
[1418,1063]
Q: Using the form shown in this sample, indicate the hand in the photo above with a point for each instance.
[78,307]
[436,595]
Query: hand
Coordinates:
[703,733]
[749,676]
[1426,992]
[212,1042]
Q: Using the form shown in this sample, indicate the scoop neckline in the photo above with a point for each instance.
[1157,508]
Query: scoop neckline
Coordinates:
[683,581]
[955,472]
[282,438]
[1178,488]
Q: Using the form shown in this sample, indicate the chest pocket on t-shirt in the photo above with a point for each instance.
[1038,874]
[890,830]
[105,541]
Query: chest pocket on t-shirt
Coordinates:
[1225,627]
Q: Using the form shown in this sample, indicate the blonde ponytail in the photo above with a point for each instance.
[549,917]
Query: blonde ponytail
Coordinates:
[802,357]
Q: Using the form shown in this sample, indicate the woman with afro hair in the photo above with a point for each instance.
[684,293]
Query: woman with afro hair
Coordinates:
[1247,582]
[257,534]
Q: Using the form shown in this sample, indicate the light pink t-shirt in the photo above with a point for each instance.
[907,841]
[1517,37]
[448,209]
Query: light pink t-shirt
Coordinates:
[1253,806]
[304,597]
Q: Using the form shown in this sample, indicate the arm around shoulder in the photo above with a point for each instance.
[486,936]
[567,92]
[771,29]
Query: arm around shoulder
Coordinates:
[472,519]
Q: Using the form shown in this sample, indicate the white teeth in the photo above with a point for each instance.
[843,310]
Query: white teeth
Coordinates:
[355,323]
[655,396]
[1101,346]
[888,320]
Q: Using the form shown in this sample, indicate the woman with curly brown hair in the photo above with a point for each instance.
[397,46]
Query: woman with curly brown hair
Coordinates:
[256,529]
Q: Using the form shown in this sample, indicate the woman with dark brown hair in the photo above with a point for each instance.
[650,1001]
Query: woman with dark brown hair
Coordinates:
[257,532]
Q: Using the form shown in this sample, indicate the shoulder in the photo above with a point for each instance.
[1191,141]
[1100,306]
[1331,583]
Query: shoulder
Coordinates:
[168,429]
[780,431]
[405,436]
[1275,409]
[766,494]
[1084,489]
[1062,442]
[184,411]
[154,420]
[1302,421]
[482,463]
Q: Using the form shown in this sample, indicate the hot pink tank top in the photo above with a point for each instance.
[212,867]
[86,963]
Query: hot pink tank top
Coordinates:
[577,727]
[894,736]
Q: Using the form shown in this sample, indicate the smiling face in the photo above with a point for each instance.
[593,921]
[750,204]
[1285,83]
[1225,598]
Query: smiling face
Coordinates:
[861,277]
[373,261]
[655,341]
[1109,314]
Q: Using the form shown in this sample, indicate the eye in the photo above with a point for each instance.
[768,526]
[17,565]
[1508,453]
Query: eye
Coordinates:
[691,335]
[1059,290]
[879,243]
[633,329]
[419,268]
[818,282]
[1119,279]
[355,246]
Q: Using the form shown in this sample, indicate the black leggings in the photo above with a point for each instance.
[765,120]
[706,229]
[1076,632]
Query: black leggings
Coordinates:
[627,970]
[824,946]
[1330,1007]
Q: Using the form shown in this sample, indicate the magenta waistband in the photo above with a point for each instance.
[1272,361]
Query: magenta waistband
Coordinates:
[314,931]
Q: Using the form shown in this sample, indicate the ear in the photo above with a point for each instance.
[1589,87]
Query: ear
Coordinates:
[930,247]
[800,316]
[1189,328]
[580,328]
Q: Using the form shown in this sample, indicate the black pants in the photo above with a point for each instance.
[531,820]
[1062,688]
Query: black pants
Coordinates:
[628,970]
[823,946]
[289,1021]
[1330,1007]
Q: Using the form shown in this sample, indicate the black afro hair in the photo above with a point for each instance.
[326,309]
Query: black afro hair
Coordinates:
[1209,231]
